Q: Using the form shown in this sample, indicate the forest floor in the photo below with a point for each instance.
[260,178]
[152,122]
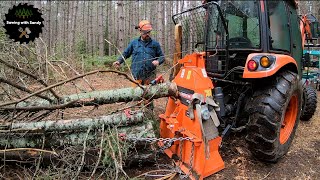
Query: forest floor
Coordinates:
[301,162]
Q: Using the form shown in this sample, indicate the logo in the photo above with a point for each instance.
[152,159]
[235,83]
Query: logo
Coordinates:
[23,23]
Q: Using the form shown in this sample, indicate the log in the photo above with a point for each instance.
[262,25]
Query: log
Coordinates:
[69,138]
[99,98]
[118,119]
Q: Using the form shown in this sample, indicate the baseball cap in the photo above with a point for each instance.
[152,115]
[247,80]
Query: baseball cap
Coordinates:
[145,26]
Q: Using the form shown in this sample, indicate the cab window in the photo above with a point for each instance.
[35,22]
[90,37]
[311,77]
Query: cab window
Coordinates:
[243,24]
[279,34]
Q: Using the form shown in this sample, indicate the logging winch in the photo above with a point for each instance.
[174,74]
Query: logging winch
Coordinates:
[193,114]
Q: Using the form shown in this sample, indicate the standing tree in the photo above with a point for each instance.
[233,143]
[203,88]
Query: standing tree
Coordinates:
[91,37]
[48,38]
[101,28]
[121,25]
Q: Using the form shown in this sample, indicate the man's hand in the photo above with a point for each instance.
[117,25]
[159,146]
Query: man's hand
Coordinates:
[116,64]
[155,63]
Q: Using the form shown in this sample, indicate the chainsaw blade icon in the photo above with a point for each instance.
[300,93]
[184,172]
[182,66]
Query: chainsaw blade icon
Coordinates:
[24,32]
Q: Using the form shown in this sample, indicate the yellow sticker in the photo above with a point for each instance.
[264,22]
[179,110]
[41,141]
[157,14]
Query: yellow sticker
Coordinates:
[208,93]
[189,75]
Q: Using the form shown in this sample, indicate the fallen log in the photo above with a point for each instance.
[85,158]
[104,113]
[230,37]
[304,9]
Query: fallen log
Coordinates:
[30,138]
[98,98]
[118,119]
[51,146]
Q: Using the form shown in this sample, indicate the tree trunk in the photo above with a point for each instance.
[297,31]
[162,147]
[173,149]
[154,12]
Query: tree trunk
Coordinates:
[177,7]
[28,139]
[101,29]
[64,9]
[56,33]
[149,14]
[119,119]
[181,5]
[96,27]
[99,97]
[68,25]
[37,41]
[110,26]
[121,25]
[49,39]
[160,27]
[136,16]
[91,29]
[88,30]
[154,16]
[74,27]
[85,28]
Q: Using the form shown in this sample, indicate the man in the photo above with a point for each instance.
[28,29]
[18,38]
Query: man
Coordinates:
[146,55]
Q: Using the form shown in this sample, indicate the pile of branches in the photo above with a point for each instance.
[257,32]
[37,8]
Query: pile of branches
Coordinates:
[91,147]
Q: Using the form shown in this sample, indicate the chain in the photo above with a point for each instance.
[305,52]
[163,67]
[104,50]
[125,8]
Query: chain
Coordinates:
[190,162]
[181,146]
[166,141]
[150,140]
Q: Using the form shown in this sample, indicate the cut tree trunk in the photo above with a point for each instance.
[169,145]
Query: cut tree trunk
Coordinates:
[72,132]
[119,119]
[99,97]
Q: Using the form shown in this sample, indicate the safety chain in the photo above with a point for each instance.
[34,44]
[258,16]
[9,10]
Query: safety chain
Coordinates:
[190,162]
[166,141]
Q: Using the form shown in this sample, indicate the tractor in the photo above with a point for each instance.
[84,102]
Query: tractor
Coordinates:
[238,66]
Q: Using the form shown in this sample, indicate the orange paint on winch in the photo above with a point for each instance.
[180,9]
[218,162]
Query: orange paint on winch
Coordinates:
[176,123]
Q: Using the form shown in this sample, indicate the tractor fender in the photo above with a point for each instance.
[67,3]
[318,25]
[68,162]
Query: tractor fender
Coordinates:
[280,61]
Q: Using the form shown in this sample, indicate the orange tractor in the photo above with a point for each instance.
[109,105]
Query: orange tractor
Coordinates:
[241,70]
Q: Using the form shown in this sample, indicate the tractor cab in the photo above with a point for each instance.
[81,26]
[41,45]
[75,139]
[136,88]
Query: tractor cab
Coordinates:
[228,31]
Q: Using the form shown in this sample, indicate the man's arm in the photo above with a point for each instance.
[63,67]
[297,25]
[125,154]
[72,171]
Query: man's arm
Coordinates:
[126,53]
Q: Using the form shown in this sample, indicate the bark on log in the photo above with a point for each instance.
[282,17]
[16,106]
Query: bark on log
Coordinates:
[103,97]
[69,138]
[123,95]
[119,119]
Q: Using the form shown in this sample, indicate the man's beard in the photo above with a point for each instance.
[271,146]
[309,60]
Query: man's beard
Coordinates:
[146,37]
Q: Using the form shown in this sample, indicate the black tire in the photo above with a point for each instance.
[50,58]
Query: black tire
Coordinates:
[309,103]
[267,114]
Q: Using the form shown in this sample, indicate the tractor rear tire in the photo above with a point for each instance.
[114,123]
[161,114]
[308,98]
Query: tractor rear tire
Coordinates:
[274,116]
[309,103]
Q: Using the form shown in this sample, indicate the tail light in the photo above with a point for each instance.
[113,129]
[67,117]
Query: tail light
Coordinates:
[265,62]
[252,65]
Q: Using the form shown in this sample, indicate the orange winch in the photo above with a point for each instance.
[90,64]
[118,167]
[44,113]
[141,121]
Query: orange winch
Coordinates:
[193,115]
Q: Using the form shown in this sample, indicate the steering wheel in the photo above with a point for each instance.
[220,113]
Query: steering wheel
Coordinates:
[240,42]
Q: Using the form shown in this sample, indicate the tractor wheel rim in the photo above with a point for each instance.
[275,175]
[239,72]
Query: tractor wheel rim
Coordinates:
[289,121]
